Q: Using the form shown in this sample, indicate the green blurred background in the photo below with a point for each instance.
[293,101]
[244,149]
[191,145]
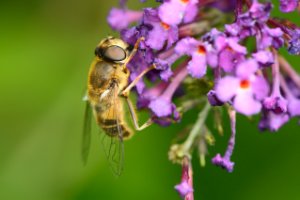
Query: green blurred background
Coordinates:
[46,49]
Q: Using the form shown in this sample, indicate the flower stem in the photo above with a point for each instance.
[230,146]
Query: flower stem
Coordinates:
[196,129]
[285,66]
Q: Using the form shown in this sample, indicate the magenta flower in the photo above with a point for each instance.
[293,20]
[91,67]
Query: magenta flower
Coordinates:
[225,162]
[263,57]
[272,121]
[246,90]
[294,43]
[270,37]
[174,12]
[162,106]
[185,187]
[230,53]
[196,49]
[160,32]
[198,66]
[119,19]
[288,5]
[276,102]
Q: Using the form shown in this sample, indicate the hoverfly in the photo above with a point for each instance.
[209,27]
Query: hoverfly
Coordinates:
[106,89]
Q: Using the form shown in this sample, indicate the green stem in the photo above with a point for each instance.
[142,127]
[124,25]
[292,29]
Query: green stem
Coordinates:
[186,146]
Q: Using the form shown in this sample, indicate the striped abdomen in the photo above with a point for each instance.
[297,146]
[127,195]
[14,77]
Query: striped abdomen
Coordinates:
[112,123]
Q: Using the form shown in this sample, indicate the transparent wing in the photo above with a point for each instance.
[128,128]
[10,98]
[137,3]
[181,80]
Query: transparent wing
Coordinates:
[112,136]
[86,136]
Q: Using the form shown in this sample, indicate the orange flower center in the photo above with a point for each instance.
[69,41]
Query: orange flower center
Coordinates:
[184,1]
[165,25]
[201,49]
[245,84]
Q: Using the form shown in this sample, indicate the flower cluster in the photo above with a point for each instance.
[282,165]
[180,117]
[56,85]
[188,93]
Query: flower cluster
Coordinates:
[233,44]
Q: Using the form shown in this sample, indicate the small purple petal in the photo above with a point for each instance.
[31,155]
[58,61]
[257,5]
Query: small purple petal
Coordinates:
[161,107]
[186,46]
[294,107]
[223,162]
[277,104]
[288,5]
[183,188]
[260,87]
[246,68]
[190,13]
[171,12]
[166,74]
[119,19]
[227,87]
[276,121]
[197,66]
[228,59]
[233,44]
[244,103]
[294,43]
[213,99]
[264,57]
[233,29]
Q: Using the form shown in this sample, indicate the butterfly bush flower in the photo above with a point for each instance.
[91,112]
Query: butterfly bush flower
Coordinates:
[185,187]
[294,43]
[119,19]
[288,5]
[225,161]
[207,56]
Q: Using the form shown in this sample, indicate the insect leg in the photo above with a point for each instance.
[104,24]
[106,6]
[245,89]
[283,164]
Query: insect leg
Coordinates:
[133,52]
[126,91]
[134,117]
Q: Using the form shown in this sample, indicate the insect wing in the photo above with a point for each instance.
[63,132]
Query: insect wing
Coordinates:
[86,136]
[112,139]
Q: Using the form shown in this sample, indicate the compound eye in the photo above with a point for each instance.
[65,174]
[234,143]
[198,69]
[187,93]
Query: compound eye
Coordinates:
[98,52]
[115,53]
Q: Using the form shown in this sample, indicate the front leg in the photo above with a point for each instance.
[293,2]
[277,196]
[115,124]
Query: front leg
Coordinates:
[135,118]
[126,91]
[133,52]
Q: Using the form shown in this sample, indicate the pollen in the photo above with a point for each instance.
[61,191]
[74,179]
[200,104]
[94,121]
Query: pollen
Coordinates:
[165,25]
[201,49]
[230,49]
[244,84]
[184,1]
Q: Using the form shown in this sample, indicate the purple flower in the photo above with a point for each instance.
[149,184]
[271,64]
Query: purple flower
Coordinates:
[196,49]
[273,121]
[213,99]
[162,106]
[293,103]
[294,43]
[119,19]
[160,32]
[225,5]
[293,106]
[257,14]
[264,57]
[225,161]
[163,63]
[230,52]
[276,103]
[150,94]
[260,12]
[185,187]
[173,12]
[137,65]
[247,89]
[270,37]
[288,5]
